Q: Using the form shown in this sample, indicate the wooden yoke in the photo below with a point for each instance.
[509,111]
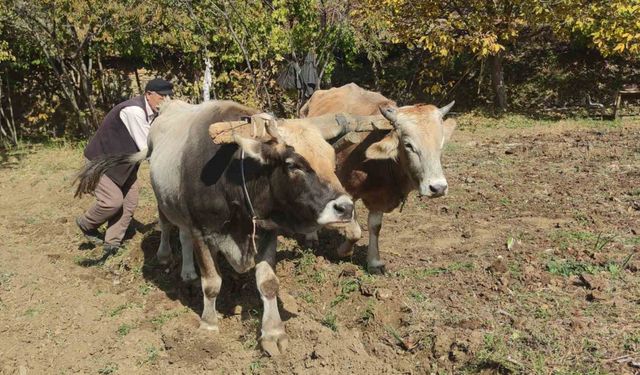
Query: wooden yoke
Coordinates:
[255,127]
[330,126]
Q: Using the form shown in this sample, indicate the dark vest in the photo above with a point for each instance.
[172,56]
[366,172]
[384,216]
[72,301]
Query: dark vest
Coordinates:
[113,137]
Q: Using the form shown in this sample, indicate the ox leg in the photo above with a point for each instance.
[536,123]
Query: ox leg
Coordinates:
[188,272]
[164,250]
[211,282]
[352,234]
[374,264]
[274,339]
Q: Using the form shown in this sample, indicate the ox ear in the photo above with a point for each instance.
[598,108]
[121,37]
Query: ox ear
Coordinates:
[252,148]
[387,148]
[448,126]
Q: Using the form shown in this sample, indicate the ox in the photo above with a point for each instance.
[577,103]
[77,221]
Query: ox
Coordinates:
[234,198]
[385,166]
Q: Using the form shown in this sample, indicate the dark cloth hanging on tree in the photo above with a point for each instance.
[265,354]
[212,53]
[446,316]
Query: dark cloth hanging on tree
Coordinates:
[304,79]
[289,78]
[309,75]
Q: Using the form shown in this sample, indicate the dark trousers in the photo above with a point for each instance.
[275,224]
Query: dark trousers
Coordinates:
[113,206]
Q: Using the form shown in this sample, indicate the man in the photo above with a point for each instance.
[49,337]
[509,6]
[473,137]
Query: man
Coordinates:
[124,130]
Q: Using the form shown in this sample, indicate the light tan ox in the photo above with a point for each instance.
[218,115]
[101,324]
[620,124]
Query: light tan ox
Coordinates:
[384,166]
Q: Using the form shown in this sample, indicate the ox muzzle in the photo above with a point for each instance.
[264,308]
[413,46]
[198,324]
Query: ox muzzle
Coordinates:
[337,211]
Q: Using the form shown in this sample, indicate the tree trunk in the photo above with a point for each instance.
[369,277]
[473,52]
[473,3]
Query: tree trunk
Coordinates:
[497,82]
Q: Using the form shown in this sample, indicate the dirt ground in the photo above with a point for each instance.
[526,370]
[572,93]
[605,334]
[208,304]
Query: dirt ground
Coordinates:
[528,266]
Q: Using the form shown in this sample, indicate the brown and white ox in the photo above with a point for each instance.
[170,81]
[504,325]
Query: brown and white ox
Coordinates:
[224,196]
[386,165]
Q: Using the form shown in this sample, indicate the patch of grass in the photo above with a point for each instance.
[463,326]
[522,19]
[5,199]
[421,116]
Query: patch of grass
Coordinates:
[493,355]
[541,312]
[515,269]
[417,296]
[146,288]
[250,343]
[31,312]
[307,297]
[570,267]
[318,277]
[152,354]
[631,343]
[635,240]
[581,218]
[422,273]
[368,314]
[613,269]
[119,309]
[109,368]
[305,262]
[5,280]
[589,242]
[255,367]
[330,321]
[138,270]
[164,317]
[347,287]
[124,329]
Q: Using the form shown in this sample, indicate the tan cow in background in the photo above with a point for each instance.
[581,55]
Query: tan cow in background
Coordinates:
[384,166]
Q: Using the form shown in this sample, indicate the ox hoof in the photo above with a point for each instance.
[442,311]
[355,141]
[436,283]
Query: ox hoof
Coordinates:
[345,250]
[163,259]
[188,275]
[377,269]
[275,345]
[209,327]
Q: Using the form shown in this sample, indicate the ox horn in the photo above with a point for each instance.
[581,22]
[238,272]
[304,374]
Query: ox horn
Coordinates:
[390,112]
[444,110]
[271,126]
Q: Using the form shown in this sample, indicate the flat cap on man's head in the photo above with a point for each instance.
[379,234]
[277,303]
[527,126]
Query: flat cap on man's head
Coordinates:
[160,86]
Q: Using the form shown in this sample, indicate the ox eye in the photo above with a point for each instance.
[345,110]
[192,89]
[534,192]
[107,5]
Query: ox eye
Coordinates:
[292,166]
[409,147]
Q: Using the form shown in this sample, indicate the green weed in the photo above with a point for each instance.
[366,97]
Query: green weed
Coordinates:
[426,272]
[124,329]
[330,321]
[368,314]
[307,297]
[31,312]
[417,296]
[164,317]
[119,309]
[570,267]
[109,368]
[255,367]
[347,287]
[145,288]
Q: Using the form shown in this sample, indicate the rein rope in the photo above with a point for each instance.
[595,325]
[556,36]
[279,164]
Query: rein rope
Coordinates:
[246,194]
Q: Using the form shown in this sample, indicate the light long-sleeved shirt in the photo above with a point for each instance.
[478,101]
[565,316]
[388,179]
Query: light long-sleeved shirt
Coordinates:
[136,122]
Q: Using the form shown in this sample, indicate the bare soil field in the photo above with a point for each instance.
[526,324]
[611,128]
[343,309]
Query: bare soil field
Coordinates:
[529,266]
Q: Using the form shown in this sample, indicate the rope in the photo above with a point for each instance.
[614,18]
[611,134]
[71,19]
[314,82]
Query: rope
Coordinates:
[246,193]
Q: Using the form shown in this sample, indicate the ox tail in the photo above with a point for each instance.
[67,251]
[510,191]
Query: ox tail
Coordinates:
[89,176]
